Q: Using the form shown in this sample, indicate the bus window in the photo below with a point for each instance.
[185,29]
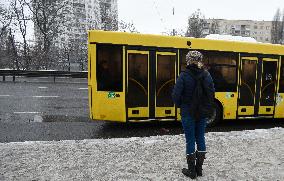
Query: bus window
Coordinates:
[268,83]
[183,53]
[109,68]
[223,69]
[281,85]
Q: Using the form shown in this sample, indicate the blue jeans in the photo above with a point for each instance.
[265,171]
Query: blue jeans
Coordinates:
[194,133]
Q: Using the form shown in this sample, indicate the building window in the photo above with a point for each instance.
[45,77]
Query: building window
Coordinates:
[255,27]
[268,27]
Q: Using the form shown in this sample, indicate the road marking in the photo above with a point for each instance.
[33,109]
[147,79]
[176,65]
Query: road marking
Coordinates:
[83,88]
[4,95]
[27,112]
[45,96]
[85,83]
[42,87]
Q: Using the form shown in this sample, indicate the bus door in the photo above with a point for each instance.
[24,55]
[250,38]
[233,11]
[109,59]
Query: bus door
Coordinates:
[257,86]
[151,77]
[247,86]
[165,80]
[268,86]
[137,84]
[279,103]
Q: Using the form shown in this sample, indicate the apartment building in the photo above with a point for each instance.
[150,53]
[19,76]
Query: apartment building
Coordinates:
[259,30]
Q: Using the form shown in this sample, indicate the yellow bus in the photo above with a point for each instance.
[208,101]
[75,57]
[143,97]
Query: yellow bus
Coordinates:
[131,76]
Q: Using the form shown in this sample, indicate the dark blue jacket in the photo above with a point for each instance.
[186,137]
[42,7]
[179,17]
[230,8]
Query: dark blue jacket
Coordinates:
[185,85]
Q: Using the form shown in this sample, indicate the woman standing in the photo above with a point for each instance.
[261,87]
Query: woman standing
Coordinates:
[193,122]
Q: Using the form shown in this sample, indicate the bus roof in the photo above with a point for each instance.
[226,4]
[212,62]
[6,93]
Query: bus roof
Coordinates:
[136,39]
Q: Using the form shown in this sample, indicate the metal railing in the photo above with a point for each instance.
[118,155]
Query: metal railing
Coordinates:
[43,73]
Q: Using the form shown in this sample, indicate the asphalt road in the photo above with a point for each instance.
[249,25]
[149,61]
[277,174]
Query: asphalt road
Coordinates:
[27,100]
[33,109]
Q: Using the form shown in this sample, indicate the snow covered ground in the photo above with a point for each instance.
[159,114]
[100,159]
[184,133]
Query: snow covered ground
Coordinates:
[244,155]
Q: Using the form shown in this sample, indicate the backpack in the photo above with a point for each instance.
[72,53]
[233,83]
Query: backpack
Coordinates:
[202,103]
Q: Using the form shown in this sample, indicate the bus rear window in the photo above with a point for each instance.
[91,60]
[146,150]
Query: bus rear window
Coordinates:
[109,68]
[281,82]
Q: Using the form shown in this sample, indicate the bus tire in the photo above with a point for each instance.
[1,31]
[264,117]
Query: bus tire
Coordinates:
[217,115]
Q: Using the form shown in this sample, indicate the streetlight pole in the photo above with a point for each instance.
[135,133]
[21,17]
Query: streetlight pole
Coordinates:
[174,32]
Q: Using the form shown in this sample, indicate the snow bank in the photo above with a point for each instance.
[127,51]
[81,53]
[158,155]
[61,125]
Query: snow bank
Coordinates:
[244,155]
[231,38]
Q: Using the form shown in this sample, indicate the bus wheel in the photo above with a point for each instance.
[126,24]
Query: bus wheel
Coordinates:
[217,116]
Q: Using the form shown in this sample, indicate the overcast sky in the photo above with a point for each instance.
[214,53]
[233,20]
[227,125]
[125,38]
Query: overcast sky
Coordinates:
[156,16]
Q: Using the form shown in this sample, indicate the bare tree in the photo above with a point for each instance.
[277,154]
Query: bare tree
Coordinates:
[195,24]
[73,52]
[5,61]
[81,56]
[22,16]
[13,50]
[5,20]
[127,27]
[277,28]
[48,17]
[109,19]
[174,32]
[67,53]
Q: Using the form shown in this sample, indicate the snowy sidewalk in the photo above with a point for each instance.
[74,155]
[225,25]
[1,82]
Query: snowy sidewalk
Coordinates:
[245,155]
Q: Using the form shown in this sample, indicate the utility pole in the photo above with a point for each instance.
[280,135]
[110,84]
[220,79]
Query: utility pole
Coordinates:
[174,32]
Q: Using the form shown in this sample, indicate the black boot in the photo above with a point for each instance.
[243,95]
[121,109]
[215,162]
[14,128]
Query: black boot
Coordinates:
[190,171]
[200,156]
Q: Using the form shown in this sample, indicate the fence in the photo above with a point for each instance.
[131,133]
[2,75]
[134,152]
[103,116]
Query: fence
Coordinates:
[48,73]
